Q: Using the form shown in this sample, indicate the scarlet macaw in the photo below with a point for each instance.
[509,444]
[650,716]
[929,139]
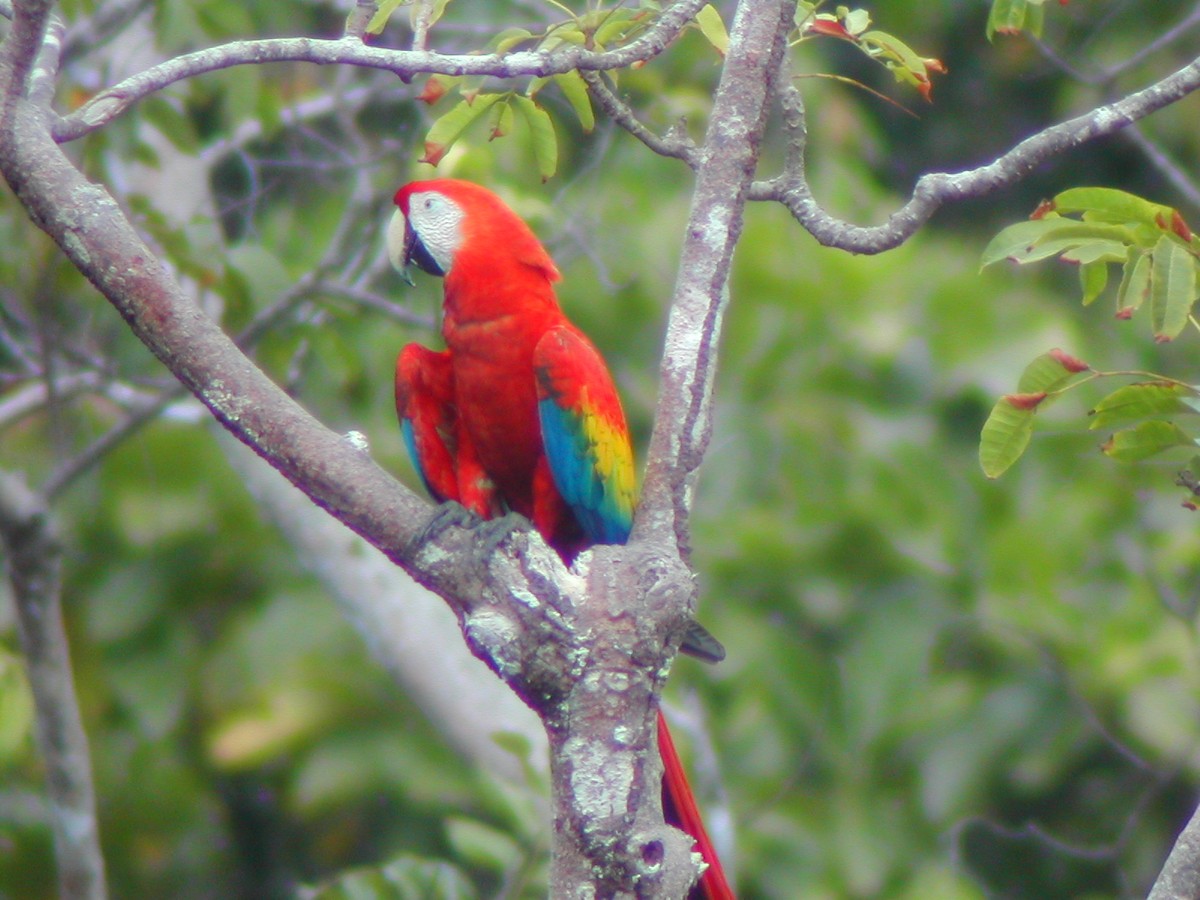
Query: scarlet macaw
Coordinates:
[519,412]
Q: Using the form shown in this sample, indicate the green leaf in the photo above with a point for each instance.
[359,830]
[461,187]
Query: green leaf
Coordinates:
[618,26]
[407,878]
[569,33]
[482,845]
[447,129]
[1141,401]
[1146,440]
[471,87]
[1018,238]
[855,20]
[713,28]
[1043,249]
[1035,18]
[1005,436]
[500,120]
[509,38]
[1135,283]
[382,14]
[1172,288]
[1035,239]
[880,43]
[805,10]
[1111,205]
[438,86]
[536,84]
[545,143]
[1102,250]
[1046,373]
[1093,279]
[1068,235]
[574,88]
[1013,16]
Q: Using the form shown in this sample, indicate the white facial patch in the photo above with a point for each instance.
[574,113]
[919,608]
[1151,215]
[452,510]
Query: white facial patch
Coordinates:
[437,220]
[395,240]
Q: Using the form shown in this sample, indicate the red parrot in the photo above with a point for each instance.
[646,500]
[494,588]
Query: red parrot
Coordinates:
[519,412]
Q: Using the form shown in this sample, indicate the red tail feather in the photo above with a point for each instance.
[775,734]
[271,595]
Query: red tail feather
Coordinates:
[681,811]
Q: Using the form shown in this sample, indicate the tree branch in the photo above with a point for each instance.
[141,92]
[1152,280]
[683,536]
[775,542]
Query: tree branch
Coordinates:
[1180,875]
[406,628]
[675,147]
[792,190]
[21,48]
[88,226]
[650,575]
[1106,75]
[548,633]
[684,416]
[932,190]
[1172,172]
[33,562]
[350,50]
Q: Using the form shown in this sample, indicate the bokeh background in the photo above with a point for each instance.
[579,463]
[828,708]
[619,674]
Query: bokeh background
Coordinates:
[937,686]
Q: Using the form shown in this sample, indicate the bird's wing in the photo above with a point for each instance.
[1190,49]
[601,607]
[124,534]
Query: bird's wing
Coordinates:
[425,407]
[585,436]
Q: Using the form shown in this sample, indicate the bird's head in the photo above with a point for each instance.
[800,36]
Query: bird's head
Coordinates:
[445,224]
[425,230]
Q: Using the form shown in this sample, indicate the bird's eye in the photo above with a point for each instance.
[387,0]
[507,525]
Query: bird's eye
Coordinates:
[429,203]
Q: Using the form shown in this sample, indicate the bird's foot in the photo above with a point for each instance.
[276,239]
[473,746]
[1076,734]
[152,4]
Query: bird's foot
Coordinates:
[450,514]
[488,534]
[494,532]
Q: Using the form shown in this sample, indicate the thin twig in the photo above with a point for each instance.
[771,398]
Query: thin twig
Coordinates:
[792,190]
[34,396]
[1174,173]
[32,561]
[66,474]
[110,103]
[676,145]
[1105,79]
[935,189]
[1107,74]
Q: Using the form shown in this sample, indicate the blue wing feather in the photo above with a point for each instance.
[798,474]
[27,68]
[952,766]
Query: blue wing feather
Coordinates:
[605,519]
[410,443]
[585,436]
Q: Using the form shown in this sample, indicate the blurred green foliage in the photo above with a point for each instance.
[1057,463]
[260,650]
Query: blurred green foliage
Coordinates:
[937,686]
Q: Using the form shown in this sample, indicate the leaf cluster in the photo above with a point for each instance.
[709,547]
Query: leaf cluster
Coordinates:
[599,28]
[854,25]
[1093,228]
[1159,259]
[604,27]
[1009,17]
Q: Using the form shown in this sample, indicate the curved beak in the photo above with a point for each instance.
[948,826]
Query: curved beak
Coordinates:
[405,248]
[401,241]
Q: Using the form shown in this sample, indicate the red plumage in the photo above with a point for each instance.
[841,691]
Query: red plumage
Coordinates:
[499,302]
[519,411]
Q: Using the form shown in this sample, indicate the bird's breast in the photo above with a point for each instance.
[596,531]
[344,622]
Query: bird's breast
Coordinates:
[496,395]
